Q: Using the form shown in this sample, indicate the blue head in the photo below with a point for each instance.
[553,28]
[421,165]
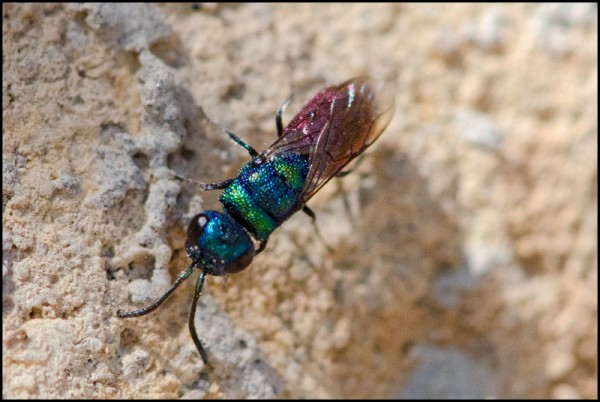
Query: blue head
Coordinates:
[218,244]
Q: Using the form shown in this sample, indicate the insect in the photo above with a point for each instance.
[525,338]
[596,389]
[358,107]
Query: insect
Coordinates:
[336,126]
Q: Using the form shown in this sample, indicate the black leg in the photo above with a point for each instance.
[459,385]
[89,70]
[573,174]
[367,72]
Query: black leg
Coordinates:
[313,219]
[347,172]
[182,277]
[242,143]
[280,111]
[191,322]
[262,246]
[207,186]
[212,186]
[310,213]
[224,183]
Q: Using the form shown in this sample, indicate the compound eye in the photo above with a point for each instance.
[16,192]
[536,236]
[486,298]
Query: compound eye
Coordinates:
[196,227]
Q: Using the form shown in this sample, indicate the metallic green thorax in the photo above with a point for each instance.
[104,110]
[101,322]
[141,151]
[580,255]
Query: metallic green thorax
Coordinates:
[265,194]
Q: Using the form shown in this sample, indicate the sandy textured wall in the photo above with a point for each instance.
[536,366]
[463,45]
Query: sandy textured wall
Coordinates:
[464,263]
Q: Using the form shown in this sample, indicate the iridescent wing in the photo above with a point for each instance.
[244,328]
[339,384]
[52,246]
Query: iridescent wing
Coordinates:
[336,126]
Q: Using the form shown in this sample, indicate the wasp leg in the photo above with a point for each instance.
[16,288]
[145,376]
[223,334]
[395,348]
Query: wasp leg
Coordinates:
[356,164]
[206,186]
[224,183]
[191,322]
[182,277]
[310,213]
[262,246]
[313,219]
[280,111]
[243,144]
